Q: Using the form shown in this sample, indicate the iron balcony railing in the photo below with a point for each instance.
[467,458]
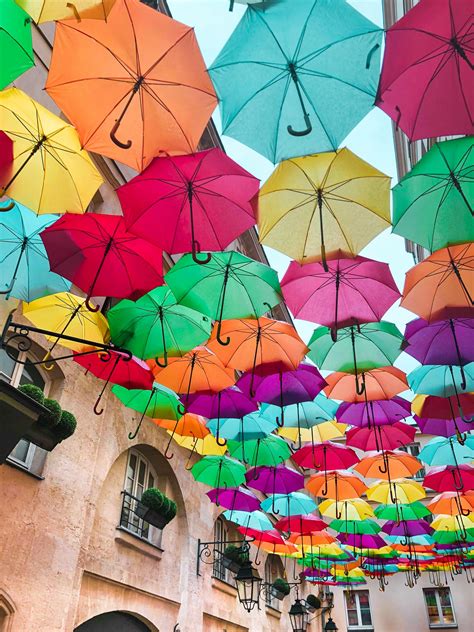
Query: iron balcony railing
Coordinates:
[131,521]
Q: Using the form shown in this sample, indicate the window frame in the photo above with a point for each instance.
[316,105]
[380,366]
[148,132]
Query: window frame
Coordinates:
[220,535]
[442,624]
[360,625]
[271,572]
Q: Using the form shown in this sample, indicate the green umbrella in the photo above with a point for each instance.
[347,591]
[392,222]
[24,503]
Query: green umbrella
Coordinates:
[271,451]
[402,511]
[360,347]
[15,42]
[433,203]
[158,403]
[229,286]
[453,537]
[355,526]
[219,472]
[155,326]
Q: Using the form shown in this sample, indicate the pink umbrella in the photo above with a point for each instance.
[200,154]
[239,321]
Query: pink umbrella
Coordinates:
[116,368]
[352,291]
[450,478]
[381,437]
[426,80]
[325,456]
[189,203]
[6,164]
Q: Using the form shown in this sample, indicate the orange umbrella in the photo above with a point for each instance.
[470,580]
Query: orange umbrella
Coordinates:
[135,86]
[259,341]
[189,425]
[338,485]
[383,383]
[452,503]
[197,370]
[311,540]
[441,286]
[388,465]
[287,548]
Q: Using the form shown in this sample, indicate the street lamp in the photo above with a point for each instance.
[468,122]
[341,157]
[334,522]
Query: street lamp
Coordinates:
[248,583]
[330,626]
[299,616]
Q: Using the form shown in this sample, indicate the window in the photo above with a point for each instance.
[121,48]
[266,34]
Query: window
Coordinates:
[221,537]
[139,476]
[414,450]
[358,610]
[16,374]
[273,570]
[440,607]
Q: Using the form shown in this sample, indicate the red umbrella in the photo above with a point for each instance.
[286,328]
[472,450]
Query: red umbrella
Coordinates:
[426,80]
[98,255]
[381,437]
[189,203]
[352,291]
[325,456]
[116,368]
[450,478]
[6,164]
[301,524]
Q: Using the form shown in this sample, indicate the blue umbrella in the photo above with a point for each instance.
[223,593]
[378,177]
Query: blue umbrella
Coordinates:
[292,504]
[249,519]
[304,414]
[24,264]
[442,451]
[296,80]
[442,381]
[250,427]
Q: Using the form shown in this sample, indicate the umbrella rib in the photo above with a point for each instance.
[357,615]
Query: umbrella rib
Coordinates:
[47,151]
[322,75]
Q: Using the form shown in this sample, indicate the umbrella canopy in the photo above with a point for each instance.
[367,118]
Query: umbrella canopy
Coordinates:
[228,403]
[157,402]
[440,342]
[440,187]
[300,524]
[188,425]
[219,472]
[207,446]
[381,437]
[388,465]
[255,520]
[330,55]
[51,10]
[450,478]
[25,268]
[394,492]
[452,503]
[442,381]
[238,498]
[339,485]
[441,286]
[292,504]
[193,202]
[407,528]
[15,43]
[354,509]
[374,413]
[383,383]
[303,414]
[51,172]
[357,290]
[402,511]
[325,456]
[306,207]
[275,480]
[137,86]
[324,431]
[269,451]
[249,427]
[101,257]
[425,90]
[443,416]
[230,285]
[290,387]
[447,451]
[66,313]
[354,527]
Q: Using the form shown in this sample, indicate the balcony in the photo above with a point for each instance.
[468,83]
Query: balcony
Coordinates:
[131,520]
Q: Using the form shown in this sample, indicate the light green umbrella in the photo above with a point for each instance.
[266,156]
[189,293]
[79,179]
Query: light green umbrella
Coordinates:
[402,511]
[358,527]
[219,472]
[271,451]
[15,42]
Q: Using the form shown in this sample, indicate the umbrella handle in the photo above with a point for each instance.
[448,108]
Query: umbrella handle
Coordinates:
[458,482]
[280,422]
[181,409]
[9,207]
[196,250]
[334,335]
[370,55]
[47,367]
[166,453]
[231,5]
[220,340]
[270,309]
[114,138]
[89,306]
[72,6]
[303,132]
[186,466]
[132,435]
[163,364]
[461,437]
[360,390]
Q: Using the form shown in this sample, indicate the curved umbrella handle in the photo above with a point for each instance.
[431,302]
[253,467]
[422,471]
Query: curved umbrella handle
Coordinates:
[231,5]
[197,250]
[163,364]
[9,207]
[47,367]
[338,513]
[334,335]
[370,55]
[463,379]
[218,437]
[132,435]
[360,390]
[9,288]
[181,409]
[114,138]
[90,307]
[166,452]
[96,409]
[304,132]
[280,422]
[187,466]
[220,340]
[461,437]
[72,6]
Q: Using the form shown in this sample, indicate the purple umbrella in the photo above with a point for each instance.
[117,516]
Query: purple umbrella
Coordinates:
[407,528]
[379,412]
[250,380]
[446,342]
[237,498]
[280,479]
[361,540]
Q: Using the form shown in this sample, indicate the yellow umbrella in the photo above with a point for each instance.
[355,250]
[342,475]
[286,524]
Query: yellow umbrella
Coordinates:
[67,314]
[401,491]
[51,172]
[445,522]
[205,447]
[322,432]
[316,206]
[49,10]
[356,509]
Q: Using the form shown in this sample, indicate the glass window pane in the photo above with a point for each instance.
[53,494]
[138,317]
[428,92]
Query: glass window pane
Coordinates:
[20,451]
[141,473]
[7,365]
[363,598]
[352,617]
[365,616]
[31,375]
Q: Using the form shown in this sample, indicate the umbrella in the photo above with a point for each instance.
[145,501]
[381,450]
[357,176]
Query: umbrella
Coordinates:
[228,403]
[338,485]
[66,314]
[237,498]
[138,85]
[292,504]
[452,503]
[25,268]
[219,472]
[381,437]
[15,43]
[425,90]
[388,465]
[353,291]
[101,258]
[280,479]
[354,509]
[197,370]
[303,414]
[306,207]
[195,202]
[383,383]
[443,416]
[433,202]
[157,402]
[51,172]
[270,450]
[450,478]
[115,367]
[250,427]
[361,540]
[330,55]
[189,427]
[447,451]
[325,456]
[155,325]
[407,528]
[6,158]
[229,286]
[255,520]
[300,524]
[207,446]
[254,378]
[441,286]
[360,348]
[52,10]
[442,381]
[324,431]
[394,492]
[402,511]
[355,527]
[253,342]
[374,413]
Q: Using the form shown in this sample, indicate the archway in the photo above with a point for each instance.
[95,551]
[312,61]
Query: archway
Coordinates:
[113,622]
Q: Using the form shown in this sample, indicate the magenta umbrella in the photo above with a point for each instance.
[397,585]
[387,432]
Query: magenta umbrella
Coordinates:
[250,380]
[98,254]
[407,528]
[426,80]
[116,368]
[229,403]
[444,416]
[279,479]
[352,291]
[450,478]
[362,540]
[188,203]
[237,498]
[378,412]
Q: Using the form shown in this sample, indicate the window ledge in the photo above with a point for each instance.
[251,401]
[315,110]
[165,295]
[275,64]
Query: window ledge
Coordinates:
[23,468]
[223,586]
[443,626]
[133,541]
[272,611]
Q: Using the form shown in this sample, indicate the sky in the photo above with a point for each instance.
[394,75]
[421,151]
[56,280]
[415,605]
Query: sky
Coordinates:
[371,140]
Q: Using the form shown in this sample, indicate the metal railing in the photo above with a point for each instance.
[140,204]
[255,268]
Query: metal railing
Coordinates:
[131,521]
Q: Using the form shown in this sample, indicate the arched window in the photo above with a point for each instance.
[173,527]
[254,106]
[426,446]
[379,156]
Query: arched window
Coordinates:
[273,570]
[221,537]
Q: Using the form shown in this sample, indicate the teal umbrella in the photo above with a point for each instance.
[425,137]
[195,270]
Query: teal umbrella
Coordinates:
[292,504]
[448,451]
[24,265]
[249,519]
[296,77]
[250,427]
[442,381]
[271,451]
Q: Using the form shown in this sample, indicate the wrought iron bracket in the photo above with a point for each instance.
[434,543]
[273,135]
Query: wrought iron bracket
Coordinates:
[209,552]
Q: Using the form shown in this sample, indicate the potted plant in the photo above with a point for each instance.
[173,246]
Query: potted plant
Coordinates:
[53,425]
[280,588]
[234,558]
[156,508]
[313,603]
